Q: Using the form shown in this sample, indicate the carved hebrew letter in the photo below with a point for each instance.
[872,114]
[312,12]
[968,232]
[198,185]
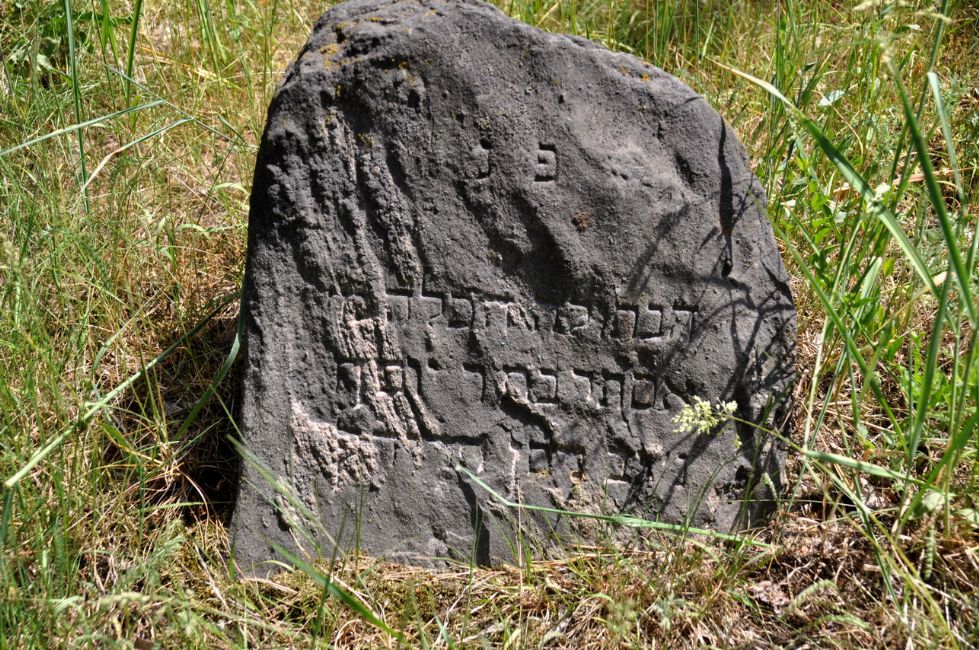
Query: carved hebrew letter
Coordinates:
[426,308]
[460,313]
[543,387]
[496,315]
[394,379]
[398,310]
[348,384]
[546,169]
[650,323]
[481,160]
[516,384]
[520,318]
[571,318]
[625,324]
[682,325]
[643,394]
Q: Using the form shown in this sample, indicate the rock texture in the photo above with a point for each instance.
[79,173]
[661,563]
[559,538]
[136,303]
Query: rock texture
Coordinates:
[473,243]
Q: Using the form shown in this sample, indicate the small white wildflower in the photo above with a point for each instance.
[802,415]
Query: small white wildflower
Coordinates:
[702,416]
[881,191]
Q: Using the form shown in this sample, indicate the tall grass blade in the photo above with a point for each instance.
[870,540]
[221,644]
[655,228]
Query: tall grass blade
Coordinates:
[941,17]
[131,54]
[863,467]
[210,34]
[76,92]
[962,274]
[218,378]
[922,405]
[82,125]
[928,380]
[953,161]
[133,143]
[618,520]
[339,593]
[851,346]
[946,464]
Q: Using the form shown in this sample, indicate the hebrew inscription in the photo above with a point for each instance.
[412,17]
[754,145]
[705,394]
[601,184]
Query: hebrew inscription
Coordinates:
[529,378]
[476,249]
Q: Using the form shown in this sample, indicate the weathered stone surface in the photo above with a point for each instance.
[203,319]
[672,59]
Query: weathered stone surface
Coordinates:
[475,243]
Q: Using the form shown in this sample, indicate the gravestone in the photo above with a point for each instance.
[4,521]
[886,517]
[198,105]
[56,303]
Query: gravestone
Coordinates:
[474,244]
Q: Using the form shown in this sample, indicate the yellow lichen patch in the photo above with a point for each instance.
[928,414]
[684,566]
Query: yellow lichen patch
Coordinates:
[583,220]
[627,71]
[329,52]
[352,59]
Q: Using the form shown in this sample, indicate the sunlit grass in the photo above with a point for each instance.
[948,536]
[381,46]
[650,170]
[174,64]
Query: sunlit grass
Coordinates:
[127,142]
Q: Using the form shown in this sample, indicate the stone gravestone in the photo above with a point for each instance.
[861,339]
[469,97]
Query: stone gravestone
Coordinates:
[473,243]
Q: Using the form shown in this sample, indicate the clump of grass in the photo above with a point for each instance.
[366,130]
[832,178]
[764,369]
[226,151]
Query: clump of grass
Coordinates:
[127,137]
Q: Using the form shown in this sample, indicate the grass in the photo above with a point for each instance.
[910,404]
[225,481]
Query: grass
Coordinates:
[121,251]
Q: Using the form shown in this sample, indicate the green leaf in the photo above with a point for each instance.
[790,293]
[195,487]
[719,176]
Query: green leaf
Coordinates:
[831,98]
[970,515]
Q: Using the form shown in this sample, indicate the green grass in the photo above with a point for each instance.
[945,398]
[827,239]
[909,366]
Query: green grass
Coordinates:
[121,251]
